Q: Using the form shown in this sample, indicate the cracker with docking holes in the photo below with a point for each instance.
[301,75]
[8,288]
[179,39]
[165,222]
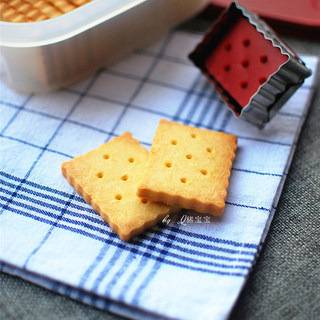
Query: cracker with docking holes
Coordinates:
[189,167]
[36,10]
[108,178]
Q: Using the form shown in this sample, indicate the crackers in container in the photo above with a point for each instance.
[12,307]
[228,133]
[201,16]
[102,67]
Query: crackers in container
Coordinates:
[108,178]
[189,167]
[33,11]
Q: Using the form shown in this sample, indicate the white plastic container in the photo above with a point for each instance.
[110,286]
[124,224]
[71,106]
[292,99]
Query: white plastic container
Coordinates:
[45,55]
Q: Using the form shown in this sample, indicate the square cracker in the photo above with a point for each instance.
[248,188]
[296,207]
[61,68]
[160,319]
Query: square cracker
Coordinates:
[189,167]
[108,178]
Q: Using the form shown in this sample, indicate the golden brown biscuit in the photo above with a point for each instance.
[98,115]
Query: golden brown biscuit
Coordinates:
[108,177]
[189,167]
[36,10]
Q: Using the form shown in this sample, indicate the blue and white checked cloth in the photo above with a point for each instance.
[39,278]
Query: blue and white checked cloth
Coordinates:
[191,269]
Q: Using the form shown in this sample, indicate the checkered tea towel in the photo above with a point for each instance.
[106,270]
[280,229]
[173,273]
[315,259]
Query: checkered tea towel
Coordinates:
[192,267]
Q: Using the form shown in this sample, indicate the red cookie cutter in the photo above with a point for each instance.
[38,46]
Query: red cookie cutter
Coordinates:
[252,69]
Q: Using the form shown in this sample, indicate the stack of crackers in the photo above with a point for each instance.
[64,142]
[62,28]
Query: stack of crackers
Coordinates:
[36,10]
[187,168]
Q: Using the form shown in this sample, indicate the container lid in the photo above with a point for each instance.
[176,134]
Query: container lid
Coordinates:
[296,17]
